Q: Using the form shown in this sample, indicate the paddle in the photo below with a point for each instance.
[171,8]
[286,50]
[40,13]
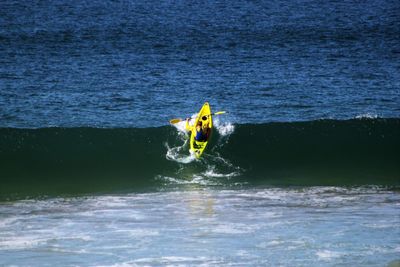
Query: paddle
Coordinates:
[173,121]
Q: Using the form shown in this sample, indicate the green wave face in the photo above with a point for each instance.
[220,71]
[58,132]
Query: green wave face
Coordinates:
[72,161]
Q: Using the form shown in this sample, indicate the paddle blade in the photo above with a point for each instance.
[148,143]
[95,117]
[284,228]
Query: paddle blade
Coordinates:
[173,121]
[219,112]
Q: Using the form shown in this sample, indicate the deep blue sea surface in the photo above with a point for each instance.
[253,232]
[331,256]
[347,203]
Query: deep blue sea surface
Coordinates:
[139,63]
[302,171]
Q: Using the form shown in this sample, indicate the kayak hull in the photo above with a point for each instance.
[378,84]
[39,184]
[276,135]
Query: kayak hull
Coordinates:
[204,115]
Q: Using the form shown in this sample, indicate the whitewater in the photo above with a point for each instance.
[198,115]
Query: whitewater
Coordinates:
[205,227]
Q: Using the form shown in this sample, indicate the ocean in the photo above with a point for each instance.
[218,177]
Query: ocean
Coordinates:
[302,170]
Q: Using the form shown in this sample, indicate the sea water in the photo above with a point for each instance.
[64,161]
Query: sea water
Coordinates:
[140,63]
[303,170]
[315,226]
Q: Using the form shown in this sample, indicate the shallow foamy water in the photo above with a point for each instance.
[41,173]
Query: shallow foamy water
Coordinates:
[319,226]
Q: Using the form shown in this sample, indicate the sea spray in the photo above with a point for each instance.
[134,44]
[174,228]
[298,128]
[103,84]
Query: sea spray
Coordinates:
[179,153]
[224,128]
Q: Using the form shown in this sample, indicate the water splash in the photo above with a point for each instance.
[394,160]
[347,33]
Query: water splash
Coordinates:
[211,172]
[367,116]
[180,126]
[178,153]
[224,128]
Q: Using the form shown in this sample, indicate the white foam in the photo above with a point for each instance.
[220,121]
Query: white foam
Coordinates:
[141,232]
[173,180]
[176,154]
[179,153]
[200,180]
[195,180]
[181,126]
[123,264]
[275,243]
[224,128]
[327,255]
[212,173]
[233,228]
[168,260]
[21,242]
[367,116]
[7,222]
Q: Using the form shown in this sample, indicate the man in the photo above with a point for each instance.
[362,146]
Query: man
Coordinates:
[201,132]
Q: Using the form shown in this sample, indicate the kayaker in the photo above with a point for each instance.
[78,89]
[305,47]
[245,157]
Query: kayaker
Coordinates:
[201,132]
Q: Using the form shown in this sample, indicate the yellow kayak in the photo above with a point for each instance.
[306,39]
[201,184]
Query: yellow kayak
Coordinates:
[205,118]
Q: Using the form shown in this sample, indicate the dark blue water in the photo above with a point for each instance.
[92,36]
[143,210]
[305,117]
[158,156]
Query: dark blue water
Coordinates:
[141,63]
